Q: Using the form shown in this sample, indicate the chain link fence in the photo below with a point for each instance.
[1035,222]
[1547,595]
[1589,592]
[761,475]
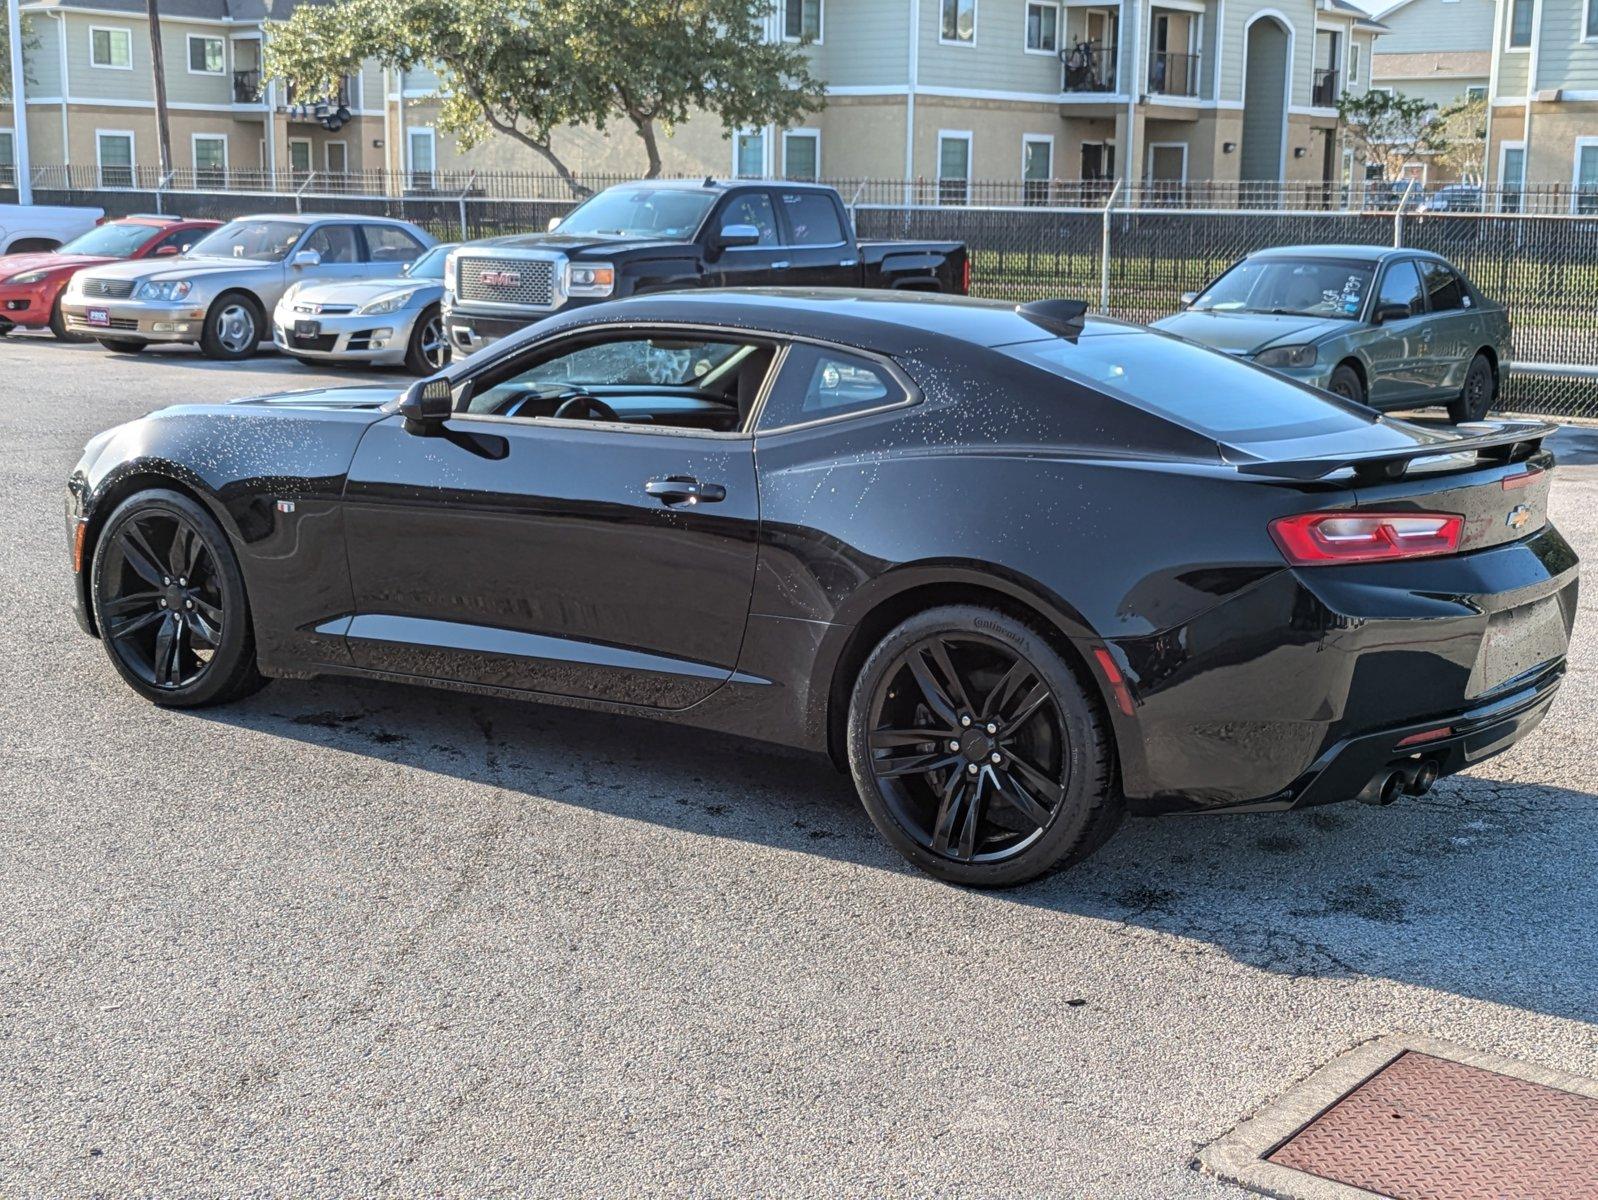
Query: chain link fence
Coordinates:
[1129,252]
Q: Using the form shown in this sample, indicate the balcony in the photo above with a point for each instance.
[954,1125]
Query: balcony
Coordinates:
[247,87]
[294,100]
[1173,74]
[1089,68]
[1324,93]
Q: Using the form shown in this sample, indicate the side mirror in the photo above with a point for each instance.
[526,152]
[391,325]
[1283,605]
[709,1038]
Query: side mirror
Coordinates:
[1392,312]
[1188,298]
[737,235]
[427,404]
[553,222]
[305,258]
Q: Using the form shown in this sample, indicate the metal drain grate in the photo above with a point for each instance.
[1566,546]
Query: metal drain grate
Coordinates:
[1425,1128]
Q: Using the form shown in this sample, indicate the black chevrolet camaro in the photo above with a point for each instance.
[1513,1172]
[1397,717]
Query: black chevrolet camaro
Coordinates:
[1019,571]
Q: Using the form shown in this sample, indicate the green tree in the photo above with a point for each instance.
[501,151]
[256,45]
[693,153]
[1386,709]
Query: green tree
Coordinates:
[30,41]
[525,68]
[1389,128]
[1462,131]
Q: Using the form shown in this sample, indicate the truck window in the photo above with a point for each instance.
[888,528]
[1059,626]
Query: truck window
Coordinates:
[812,219]
[753,208]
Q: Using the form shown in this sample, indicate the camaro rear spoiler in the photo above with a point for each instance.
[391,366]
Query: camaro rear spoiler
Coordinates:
[1504,442]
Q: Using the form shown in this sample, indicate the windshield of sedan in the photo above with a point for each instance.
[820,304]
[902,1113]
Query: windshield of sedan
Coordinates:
[640,211]
[258,241]
[1300,287]
[115,240]
[429,265]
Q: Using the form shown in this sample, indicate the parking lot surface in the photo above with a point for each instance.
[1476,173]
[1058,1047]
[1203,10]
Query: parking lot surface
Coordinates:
[358,939]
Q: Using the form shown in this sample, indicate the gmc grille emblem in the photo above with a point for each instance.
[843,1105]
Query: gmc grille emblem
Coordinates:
[499,278]
[1518,516]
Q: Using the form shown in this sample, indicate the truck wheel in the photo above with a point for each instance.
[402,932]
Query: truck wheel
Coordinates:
[232,328]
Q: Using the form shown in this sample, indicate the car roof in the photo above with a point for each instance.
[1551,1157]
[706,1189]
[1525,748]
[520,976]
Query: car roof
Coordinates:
[318,218]
[711,184]
[1362,253]
[894,320]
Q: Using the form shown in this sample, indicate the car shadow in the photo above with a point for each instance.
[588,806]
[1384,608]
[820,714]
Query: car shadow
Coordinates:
[1485,888]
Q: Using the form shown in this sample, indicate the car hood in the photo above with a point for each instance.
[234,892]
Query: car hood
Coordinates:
[19,264]
[568,244]
[342,399]
[182,267]
[1249,333]
[361,291]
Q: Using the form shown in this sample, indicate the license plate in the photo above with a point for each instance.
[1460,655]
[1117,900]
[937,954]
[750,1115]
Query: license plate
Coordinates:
[98,316]
[307,329]
[1519,639]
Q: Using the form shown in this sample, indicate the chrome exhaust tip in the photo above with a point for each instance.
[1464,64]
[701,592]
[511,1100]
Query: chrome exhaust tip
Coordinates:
[1422,780]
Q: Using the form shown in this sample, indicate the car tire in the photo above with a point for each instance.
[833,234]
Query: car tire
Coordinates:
[233,328]
[428,351]
[121,347]
[58,326]
[1345,382]
[1480,393]
[1049,799]
[170,604]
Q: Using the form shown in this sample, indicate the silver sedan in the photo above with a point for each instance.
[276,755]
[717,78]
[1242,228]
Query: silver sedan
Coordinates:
[380,322]
[220,292]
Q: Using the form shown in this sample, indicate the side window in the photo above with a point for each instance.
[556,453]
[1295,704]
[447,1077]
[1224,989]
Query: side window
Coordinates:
[812,218]
[1401,285]
[753,208]
[335,243]
[390,244]
[1445,289]
[817,383]
[180,241]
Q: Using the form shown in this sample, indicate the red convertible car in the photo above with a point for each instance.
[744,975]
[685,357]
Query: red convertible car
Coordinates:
[31,284]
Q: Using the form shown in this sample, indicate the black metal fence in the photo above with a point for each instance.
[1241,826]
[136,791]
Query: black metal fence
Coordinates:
[1131,254]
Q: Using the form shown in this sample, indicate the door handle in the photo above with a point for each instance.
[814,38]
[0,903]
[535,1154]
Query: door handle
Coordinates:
[684,489]
[781,266]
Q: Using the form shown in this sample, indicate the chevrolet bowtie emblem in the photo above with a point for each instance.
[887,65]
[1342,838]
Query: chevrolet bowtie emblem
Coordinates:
[1518,516]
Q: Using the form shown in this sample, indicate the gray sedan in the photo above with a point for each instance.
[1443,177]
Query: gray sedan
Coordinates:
[379,322]
[220,292]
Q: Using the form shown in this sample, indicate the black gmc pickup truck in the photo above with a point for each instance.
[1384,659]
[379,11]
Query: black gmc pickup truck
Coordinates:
[658,235]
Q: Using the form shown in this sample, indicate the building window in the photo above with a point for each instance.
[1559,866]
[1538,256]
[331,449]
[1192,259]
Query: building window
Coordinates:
[801,154]
[749,156]
[423,158]
[1520,17]
[1587,176]
[1353,64]
[337,158]
[1476,91]
[111,48]
[1037,168]
[1589,24]
[959,22]
[1043,28]
[954,168]
[210,160]
[114,154]
[801,20]
[206,56]
[8,159]
[1511,175]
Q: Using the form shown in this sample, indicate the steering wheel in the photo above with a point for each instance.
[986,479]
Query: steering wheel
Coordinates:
[582,403]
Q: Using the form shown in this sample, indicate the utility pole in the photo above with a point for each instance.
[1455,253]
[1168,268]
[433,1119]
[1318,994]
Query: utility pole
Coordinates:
[163,129]
[19,105]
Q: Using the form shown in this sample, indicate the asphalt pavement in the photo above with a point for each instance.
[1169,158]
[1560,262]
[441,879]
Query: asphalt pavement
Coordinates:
[350,939]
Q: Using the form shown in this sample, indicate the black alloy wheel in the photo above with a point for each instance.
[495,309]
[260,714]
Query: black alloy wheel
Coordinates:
[169,603]
[1477,397]
[976,751]
[427,352]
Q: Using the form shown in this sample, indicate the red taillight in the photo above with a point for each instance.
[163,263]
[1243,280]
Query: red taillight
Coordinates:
[1430,735]
[1310,539]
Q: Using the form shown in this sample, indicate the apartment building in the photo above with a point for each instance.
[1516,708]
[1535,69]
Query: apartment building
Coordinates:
[1440,51]
[946,90]
[1544,97]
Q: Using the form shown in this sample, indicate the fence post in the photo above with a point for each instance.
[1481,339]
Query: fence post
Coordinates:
[1398,216]
[160,186]
[1104,252]
[300,191]
[470,180]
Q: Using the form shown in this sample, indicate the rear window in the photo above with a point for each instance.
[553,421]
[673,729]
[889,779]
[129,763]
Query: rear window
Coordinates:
[1209,392]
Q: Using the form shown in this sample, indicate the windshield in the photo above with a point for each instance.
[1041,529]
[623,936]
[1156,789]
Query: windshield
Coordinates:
[259,241]
[640,211]
[1300,287]
[429,265]
[116,240]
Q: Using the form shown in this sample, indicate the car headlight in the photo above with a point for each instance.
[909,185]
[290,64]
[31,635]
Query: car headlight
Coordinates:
[590,279]
[1286,356]
[162,289]
[390,302]
[29,276]
[449,272]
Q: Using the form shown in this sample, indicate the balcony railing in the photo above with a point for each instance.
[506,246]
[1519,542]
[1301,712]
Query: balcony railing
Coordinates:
[246,87]
[1089,68]
[1173,74]
[1324,94]
[292,98]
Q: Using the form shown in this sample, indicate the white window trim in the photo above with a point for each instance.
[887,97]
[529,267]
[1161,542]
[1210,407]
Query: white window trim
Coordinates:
[821,24]
[1503,154]
[976,13]
[1351,57]
[765,152]
[194,149]
[1059,26]
[188,54]
[327,159]
[432,138]
[310,153]
[801,132]
[1583,142]
[126,31]
[1586,24]
[1509,29]
[1102,143]
[1148,169]
[1041,139]
[957,135]
[133,157]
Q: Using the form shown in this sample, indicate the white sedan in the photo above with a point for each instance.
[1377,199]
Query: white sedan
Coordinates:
[377,322]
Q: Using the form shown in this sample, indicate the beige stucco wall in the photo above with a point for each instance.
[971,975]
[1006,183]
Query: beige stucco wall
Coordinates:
[1554,130]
